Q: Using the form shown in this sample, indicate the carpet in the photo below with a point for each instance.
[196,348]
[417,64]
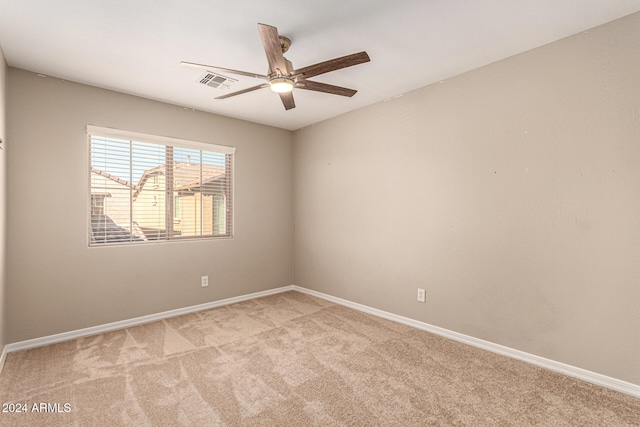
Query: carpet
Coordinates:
[291,360]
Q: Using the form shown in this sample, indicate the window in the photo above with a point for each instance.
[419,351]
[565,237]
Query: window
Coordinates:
[145,188]
[97,203]
[176,208]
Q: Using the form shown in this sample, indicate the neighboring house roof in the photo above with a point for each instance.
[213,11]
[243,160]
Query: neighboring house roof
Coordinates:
[186,176]
[113,178]
[104,230]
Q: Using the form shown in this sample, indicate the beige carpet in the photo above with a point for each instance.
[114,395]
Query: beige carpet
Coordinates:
[292,360]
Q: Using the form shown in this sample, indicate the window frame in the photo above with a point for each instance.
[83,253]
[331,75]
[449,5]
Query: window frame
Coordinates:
[228,151]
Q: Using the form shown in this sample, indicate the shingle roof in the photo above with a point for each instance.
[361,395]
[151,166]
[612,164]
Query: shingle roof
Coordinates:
[104,230]
[113,178]
[185,175]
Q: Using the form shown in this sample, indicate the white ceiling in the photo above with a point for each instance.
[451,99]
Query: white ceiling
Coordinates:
[135,46]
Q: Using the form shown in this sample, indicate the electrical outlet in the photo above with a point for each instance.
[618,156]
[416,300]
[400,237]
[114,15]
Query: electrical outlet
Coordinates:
[204,281]
[421,295]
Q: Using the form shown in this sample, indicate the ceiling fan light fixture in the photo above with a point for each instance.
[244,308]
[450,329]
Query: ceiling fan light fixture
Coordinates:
[282,77]
[281,84]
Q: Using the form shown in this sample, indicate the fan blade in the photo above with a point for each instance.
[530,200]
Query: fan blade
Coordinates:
[272,48]
[326,88]
[223,70]
[240,92]
[332,65]
[287,100]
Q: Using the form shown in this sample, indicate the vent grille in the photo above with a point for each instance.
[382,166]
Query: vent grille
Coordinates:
[216,81]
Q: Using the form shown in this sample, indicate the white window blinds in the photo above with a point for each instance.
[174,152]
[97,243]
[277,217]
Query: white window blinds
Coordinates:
[145,188]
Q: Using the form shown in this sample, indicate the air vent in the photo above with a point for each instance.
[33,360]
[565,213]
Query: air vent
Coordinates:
[216,81]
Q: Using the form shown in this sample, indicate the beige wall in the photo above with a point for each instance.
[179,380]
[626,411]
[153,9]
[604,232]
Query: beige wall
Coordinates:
[510,193]
[58,284]
[3,194]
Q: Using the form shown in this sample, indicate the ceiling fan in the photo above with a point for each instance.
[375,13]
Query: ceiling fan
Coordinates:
[281,77]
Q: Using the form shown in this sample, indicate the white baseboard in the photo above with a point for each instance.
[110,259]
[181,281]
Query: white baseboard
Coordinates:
[66,336]
[571,371]
[3,357]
